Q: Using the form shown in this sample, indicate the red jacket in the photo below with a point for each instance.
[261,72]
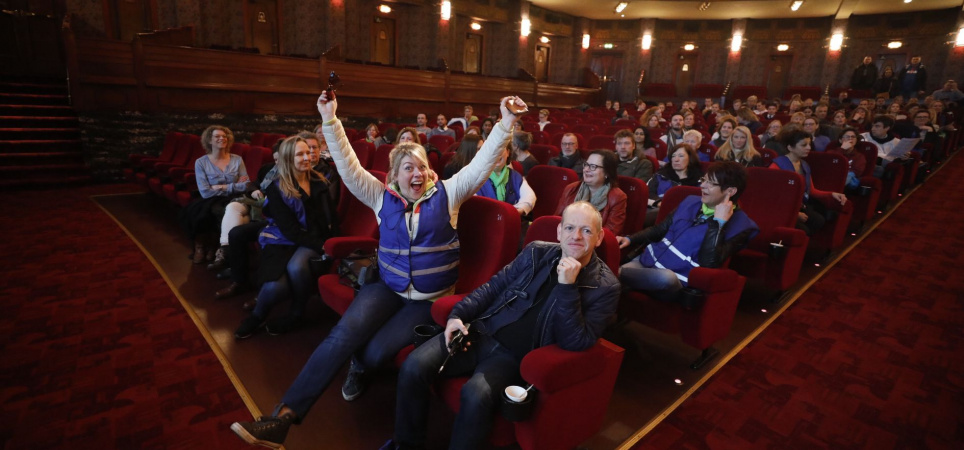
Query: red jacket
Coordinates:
[613,215]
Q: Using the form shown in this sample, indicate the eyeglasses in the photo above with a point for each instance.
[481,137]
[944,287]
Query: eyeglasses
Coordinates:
[592,167]
[707,181]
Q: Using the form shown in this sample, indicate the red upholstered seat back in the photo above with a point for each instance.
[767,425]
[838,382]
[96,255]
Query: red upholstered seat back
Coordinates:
[380,157]
[828,171]
[363,151]
[441,141]
[355,218]
[548,182]
[637,197]
[544,152]
[488,235]
[672,198]
[601,141]
[772,199]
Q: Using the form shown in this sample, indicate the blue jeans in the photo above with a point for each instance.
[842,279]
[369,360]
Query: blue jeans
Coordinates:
[491,367]
[660,283]
[377,325]
[296,283]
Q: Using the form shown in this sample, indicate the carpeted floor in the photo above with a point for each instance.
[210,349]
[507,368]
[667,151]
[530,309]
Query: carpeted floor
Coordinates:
[869,357]
[96,351]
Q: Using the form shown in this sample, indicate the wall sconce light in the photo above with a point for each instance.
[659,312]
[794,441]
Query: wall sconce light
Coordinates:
[585,41]
[475,26]
[544,40]
[795,5]
[608,45]
[647,41]
[446,10]
[526,26]
[689,47]
[836,42]
[959,42]
[783,47]
[384,9]
[736,43]
[894,44]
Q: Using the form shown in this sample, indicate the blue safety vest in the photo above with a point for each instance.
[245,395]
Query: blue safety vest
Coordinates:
[512,188]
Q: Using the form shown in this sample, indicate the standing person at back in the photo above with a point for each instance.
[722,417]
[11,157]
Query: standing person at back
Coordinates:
[912,79]
[864,76]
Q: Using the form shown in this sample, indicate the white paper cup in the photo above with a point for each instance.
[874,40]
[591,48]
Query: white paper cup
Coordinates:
[516,393]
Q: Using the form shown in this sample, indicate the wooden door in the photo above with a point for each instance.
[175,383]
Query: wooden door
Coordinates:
[472,58]
[383,40]
[778,75]
[130,17]
[685,73]
[261,26]
[542,63]
[608,67]
[30,37]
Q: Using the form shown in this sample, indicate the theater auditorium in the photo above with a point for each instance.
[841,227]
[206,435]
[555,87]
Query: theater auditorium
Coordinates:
[659,224]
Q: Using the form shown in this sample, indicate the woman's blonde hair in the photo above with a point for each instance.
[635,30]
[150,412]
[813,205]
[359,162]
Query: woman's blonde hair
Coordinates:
[206,137]
[416,151]
[287,180]
[644,119]
[725,153]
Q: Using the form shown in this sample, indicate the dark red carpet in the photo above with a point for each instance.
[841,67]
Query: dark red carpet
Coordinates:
[97,352]
[870,357]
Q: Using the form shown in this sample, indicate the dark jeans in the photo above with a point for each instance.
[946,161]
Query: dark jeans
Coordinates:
[239,244]
[377,324]
[662,284]
[297,284]
[491,367]
[816,217]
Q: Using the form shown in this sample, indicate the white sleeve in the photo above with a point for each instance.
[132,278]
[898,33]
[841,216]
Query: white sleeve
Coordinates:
[527,198]
[359,181]
[470,179]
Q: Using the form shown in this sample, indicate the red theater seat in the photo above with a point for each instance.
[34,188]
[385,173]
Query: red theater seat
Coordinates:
[548,182]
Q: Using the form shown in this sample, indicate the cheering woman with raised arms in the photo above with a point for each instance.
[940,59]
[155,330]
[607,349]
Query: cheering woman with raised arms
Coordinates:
[418,257]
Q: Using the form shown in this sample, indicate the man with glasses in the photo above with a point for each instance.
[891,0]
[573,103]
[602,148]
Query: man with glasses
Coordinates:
[704,231]
[569,157]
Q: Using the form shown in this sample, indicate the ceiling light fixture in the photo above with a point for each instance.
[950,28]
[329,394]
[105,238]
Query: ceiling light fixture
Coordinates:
[908,1]
[795,5]
[475,26]
[585,41]
[446,10]
[384,9]
[736,43]
[647,41]
[704,6]
[621,6]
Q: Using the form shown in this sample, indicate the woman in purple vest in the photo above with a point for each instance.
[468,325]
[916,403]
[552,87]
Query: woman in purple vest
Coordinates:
[691,235]
[507,185]
[418,259]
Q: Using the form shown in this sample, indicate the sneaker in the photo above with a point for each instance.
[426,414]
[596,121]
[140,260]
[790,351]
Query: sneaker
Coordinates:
[249,326]
[355,383]
[283,325]
[266,431]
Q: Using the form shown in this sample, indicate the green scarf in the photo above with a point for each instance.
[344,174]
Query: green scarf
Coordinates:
[500,180]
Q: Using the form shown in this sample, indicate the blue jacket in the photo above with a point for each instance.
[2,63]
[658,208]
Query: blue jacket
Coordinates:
[784,164]
[680,247]
[573,318]
[512,188]
[430,262]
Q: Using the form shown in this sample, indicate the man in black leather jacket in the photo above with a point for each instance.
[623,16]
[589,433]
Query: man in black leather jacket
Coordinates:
[550,294]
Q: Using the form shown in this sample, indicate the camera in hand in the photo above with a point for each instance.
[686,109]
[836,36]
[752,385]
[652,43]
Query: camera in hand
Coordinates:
[516,106]
[332,81]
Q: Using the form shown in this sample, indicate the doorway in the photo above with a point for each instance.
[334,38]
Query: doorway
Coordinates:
[778,75]
[608,67]
[383,40]
[261,26]
[685,70]
[130,17]
[472,58]
[31,30]
[542,63]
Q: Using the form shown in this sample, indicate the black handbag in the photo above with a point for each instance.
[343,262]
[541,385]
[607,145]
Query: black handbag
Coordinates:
[358,269]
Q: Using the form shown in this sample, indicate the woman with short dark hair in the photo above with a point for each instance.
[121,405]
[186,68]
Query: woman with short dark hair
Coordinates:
[600,187]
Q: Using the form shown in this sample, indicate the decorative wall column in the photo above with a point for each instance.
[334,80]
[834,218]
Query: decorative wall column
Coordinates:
[831,63]
[335,25]
[525,56]
[954,68]
[645,58]
[733,58]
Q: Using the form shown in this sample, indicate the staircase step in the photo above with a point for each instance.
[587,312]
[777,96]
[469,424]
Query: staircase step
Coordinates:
[33,99]
[37,121]
[34,87]
[27,134]
[45,181]
[41,158]
[8,109]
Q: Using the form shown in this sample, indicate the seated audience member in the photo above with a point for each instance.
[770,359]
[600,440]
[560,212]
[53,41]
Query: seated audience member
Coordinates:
[820,142]
[776,143]
[683,170]
[922,128]
[842,101]
[820,112]
[464,154]
[884,140]
[616,106]
[441,129]
[856,161]
[650,119]
[599,187]
[221,176]
[812,215]
[407,135]
[521,141]
[487,125]
[740,149]
[371,135]
[474,130]
[543,119]
[569,298]
[737,104]
[887,83]
[703,231]
[391,134]
[726,126]
[380,320]
[894,111]
[631,163]
[644,145]
[773,129]
[302,218]
[752,102]
[694,139]
[860,119]
[674,134]
[949,93]
[569,156]
[797,118]
[941,117]
[772,109]
[422,124]
[467,118]
[880,105]
[795,105]
[689,120]
[748,118]
[609,104]
[507,185]
[839,120]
